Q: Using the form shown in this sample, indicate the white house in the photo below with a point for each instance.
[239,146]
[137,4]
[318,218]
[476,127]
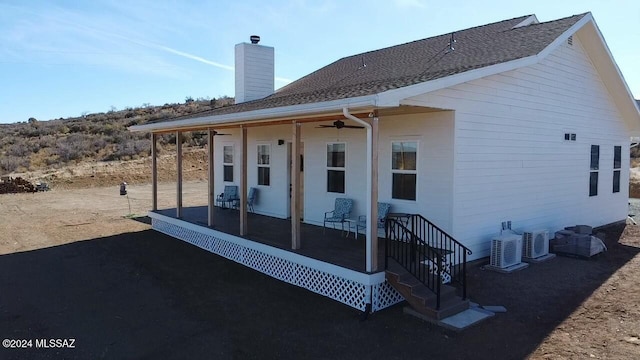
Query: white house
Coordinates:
[519,120]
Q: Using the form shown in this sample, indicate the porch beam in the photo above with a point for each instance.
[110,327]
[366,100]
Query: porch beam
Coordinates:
[154,172]
[179,173]
[296,130]
[243,182]
[210,177]
[361,115]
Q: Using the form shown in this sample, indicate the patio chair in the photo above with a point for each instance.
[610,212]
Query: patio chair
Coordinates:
[383,211]
[229,197]
[340,213]
[253,192]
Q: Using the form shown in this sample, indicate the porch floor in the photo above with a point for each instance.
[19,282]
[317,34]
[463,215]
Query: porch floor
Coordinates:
[331,247]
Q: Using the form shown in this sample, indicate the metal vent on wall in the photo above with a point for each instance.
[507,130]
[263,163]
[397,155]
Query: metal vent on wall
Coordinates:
[570,40]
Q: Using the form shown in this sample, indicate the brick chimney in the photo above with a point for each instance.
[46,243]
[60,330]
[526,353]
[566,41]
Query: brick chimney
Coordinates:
[254,70]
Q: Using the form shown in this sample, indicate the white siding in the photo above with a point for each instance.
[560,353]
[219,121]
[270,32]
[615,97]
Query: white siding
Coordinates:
[434,134]
[271,200]
[316,198]
[432,131]
[511,159]
[254,72]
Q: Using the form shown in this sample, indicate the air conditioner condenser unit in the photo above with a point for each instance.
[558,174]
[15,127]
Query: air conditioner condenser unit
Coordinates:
[535,244]
[506,250]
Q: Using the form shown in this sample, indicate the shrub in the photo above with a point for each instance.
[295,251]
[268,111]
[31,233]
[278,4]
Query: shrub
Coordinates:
[12,163]
[19,149]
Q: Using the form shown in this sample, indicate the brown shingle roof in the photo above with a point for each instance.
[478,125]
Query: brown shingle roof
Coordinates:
[412,63]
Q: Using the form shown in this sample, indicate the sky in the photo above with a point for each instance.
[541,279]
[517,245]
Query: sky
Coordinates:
[67,58]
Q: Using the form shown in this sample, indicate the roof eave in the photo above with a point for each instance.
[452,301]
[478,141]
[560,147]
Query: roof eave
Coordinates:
[368,101]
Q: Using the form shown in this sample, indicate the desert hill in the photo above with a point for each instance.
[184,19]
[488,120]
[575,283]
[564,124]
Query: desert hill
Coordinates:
[97,146]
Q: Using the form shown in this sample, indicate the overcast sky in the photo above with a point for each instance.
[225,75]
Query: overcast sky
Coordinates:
[64,58]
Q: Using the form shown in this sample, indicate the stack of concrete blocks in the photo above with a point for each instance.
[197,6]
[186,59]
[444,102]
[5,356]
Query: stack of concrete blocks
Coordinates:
[578,241]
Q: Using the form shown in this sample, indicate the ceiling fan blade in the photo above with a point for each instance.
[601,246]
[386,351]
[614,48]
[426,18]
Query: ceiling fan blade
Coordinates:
[353,126]
[325,126]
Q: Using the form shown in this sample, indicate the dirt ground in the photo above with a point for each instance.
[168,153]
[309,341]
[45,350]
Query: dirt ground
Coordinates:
[74,264]
[110,173]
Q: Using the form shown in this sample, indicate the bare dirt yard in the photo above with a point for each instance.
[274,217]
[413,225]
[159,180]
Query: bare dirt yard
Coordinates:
[75,265]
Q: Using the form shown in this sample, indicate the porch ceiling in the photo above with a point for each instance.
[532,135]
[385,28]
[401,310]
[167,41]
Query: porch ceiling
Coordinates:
[361,114]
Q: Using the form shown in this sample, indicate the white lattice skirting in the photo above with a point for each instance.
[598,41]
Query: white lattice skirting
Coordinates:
[344,285]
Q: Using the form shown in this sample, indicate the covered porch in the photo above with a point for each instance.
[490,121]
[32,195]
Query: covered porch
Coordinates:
[346,269]
[331,265]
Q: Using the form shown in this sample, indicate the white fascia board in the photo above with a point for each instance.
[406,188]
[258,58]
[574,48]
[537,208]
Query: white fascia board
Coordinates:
[623,82]
[263,114]
[400,95]
[565,35]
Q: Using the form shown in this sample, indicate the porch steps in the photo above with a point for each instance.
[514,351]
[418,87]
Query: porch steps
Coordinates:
[422,299]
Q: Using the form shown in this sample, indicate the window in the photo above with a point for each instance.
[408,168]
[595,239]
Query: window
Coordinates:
[617,163]
[336,154]
[616,181]
[595,165]
[264,169]
[617,157]
[595,157]
[227,163]
[404,169]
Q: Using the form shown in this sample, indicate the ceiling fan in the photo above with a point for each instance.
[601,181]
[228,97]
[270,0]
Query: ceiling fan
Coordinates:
[215,133]
[339,124]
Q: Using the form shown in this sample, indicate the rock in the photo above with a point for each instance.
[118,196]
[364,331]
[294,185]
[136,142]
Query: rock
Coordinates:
[632,340]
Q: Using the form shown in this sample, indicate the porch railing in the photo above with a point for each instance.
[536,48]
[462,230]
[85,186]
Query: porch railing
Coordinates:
[426,252]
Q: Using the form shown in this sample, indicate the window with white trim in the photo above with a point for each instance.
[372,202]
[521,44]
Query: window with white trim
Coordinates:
[595,166]
[264,165]
[227,163]
[617,164]
[404,170]
[336,156]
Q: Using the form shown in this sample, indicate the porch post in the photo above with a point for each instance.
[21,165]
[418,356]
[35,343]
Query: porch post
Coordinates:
[210,178]
[243,183]
[295,185]
[179,171]
[154,172]
[369,231]
[373,224]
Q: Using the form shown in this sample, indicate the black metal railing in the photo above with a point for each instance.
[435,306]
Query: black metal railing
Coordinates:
[426,252]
